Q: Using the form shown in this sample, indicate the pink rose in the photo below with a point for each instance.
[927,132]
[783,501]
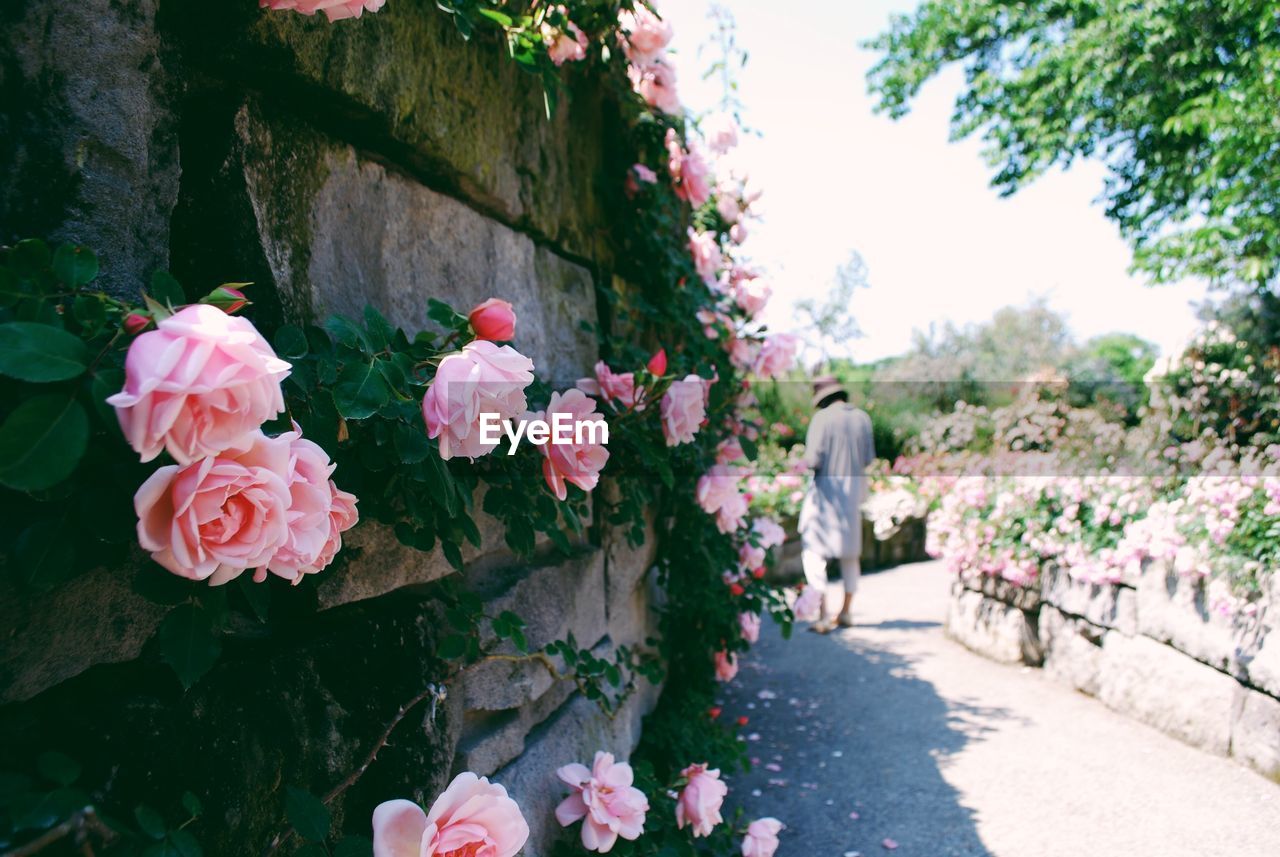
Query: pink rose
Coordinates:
[743,351]
[776,357]
[683,410]
[718,494]
[494,320]
[752,295]
[318,512]
[749,625]
[333,9]
[700,801]
[481,378]
[655,82]
[721,133]
[728,208]
[657,366]
[726,664]
[706,255]
[609,386]
[762,838]
[472,817]
[646,34]
[220,515]
[579,463]
[738,233]
[605,800]
[562,46]
[768,532]
[689,172]
[729,451]
[200,383]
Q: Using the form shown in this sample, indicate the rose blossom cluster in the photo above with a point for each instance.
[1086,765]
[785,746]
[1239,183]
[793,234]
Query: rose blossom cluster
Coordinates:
[564,45]
[200,386]
[333,9]
[644,36]
[609,806]
[719,493]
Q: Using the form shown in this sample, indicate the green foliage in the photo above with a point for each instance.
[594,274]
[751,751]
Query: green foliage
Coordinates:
[1176,98]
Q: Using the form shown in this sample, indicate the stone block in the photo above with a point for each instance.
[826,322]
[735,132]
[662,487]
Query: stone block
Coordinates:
[459,114]
[1255,733]
[1072,649]
[554,601]
[1106,605]
[992,628]
[999,589]
[88,157]
[1172,609]
[1165,688]
[339,232]
[96,618]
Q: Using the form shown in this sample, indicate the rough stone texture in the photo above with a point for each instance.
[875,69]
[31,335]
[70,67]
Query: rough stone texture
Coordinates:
[460,114]
[1255,732]
[1072,649]
[90,158]
[52,638]
[348,220]
[1172,609]
[997,588]
[989,627]
[1106,605]
[1159,686]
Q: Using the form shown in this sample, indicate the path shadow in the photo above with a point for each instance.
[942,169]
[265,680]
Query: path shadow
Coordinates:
[842,725]
[898,625]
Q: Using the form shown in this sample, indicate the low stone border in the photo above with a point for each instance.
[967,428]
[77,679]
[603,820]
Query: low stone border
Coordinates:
[1148,648]
[906,545]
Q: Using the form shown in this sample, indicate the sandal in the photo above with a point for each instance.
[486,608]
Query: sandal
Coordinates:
[845,620]
[823,626]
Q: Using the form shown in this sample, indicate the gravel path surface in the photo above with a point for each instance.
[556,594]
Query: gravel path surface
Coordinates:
[890,731]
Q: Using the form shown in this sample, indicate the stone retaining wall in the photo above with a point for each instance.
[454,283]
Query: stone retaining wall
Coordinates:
[1148,648]
[384,161]
[906,545]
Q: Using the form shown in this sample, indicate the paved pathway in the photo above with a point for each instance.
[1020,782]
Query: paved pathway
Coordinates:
[946,753]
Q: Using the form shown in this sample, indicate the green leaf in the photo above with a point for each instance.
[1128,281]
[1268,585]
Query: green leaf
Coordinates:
[89,311]
[42,810]
[40,353]
[183,844]
[311,849]
[444,315]
[290,341]
[380,331]
[452,553]
[411,443]
[29,257]
[166,290]
[499,18]
[58,767]
[347,332]
[353,846]
[75,266]
[192,804]
[150,822]
[258,595]
[10,290]
[307,813]
[188,643]
[42,441]
[452,647]
[363,394]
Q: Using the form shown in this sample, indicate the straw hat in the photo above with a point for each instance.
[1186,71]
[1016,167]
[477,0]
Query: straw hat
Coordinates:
[827,385]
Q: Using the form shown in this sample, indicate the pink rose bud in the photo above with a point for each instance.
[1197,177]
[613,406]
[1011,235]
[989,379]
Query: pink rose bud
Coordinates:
[657,364]
[136,322]
[229,300]
[493,320]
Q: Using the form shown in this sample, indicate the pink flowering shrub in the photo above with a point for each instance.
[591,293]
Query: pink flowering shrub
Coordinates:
[690,174]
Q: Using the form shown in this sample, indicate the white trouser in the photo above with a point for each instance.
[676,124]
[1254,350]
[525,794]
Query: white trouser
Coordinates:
[815,570]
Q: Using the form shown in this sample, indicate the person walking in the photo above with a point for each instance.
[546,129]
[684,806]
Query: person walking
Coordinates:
[838,447]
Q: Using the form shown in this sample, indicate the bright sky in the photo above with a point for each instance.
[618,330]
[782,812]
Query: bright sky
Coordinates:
[939,243]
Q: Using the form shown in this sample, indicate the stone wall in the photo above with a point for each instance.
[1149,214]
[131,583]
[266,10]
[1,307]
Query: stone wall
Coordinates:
[383,161]
[905,545]
[1148,648]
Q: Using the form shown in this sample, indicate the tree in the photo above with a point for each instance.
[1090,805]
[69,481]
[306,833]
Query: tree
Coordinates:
[832,321]
[1177,97]
[1110,370]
